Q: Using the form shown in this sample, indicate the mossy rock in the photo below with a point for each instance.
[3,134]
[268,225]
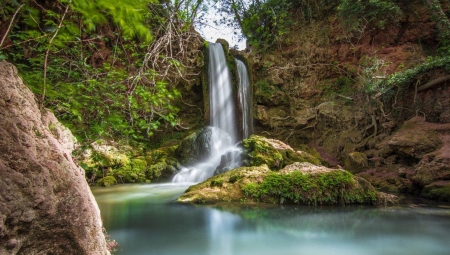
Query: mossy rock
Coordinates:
[355,162]
[259,150]
[107,181]
[437,191]
[160,154]
[226,187]
[299,183]
[139,164]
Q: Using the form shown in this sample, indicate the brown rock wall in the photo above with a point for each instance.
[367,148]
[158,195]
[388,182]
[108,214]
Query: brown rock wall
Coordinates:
[46,206]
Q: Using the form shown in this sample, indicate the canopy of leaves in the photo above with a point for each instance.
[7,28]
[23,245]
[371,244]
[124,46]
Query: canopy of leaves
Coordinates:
[375,13]
[106,68]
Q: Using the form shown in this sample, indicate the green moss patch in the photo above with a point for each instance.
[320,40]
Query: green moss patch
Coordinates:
[275,154]
[107,181]
[334,187]
[299,183]
[437,192]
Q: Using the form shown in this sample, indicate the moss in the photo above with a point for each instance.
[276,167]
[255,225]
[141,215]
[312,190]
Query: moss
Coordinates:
[355,162]
[300,156]
[437,192]
[335,187]
[216,183]
[260,152]
[156,170]
[107,181]
[298,183]
[138,164]
[275,154]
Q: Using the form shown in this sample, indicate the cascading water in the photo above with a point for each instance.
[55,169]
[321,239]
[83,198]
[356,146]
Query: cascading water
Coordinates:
[224,155]
[245,99]
[221,100]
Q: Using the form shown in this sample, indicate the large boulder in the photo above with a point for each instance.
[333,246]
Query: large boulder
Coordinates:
[46,206]
[259,150]
[202,144]
[415,139]
[299,183]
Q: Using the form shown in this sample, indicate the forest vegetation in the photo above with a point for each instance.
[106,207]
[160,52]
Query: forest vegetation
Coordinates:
[124,70]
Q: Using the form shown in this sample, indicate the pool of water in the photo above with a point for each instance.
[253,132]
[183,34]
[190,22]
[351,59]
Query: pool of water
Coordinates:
[144,219]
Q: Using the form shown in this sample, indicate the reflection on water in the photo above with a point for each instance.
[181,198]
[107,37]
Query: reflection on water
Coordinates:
[145,220]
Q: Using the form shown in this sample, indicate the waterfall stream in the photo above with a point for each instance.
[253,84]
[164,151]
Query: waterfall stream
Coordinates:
[224,115]
[245,99]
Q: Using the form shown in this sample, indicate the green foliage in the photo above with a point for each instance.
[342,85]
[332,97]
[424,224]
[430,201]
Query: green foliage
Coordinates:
[128,14]
[374,13]
[322,188]
[372,75]
[97,79]
[443,25]
[405,78]
[265,22]
[107,181]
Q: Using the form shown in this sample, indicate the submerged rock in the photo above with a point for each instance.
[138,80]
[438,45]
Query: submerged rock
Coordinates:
[298,183]
[46,206]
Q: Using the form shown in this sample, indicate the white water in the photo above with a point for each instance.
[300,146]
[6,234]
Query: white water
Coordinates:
[245,99]
[222,116]
[222,107]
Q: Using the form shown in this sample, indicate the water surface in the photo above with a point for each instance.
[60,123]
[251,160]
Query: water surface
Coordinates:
[143,219]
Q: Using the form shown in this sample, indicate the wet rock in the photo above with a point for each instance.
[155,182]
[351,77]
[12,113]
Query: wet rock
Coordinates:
[46,206]
[198,146]
[302,183]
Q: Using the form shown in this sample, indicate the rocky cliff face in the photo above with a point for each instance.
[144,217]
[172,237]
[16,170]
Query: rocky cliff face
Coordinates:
[312,89]
[46,206]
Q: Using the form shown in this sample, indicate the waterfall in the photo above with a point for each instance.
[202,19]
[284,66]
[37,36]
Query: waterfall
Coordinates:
[223,116]
[245,100]
[221,100]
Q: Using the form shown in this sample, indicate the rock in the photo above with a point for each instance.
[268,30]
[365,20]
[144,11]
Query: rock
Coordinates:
[355,162]
[438,191]
[413,142]
[46,206]
[231,159]
[445,117]
[434,166]
[198,146]
[300,183]
[259,150]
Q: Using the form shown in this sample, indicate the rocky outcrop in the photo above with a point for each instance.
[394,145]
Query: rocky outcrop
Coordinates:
[414,159]
[46,206]
[260,150]
[298,183]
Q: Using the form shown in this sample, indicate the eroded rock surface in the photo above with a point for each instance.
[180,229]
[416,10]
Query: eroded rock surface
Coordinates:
[46,206]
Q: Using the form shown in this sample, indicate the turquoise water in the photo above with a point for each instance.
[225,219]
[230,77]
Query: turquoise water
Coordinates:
[143,219]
